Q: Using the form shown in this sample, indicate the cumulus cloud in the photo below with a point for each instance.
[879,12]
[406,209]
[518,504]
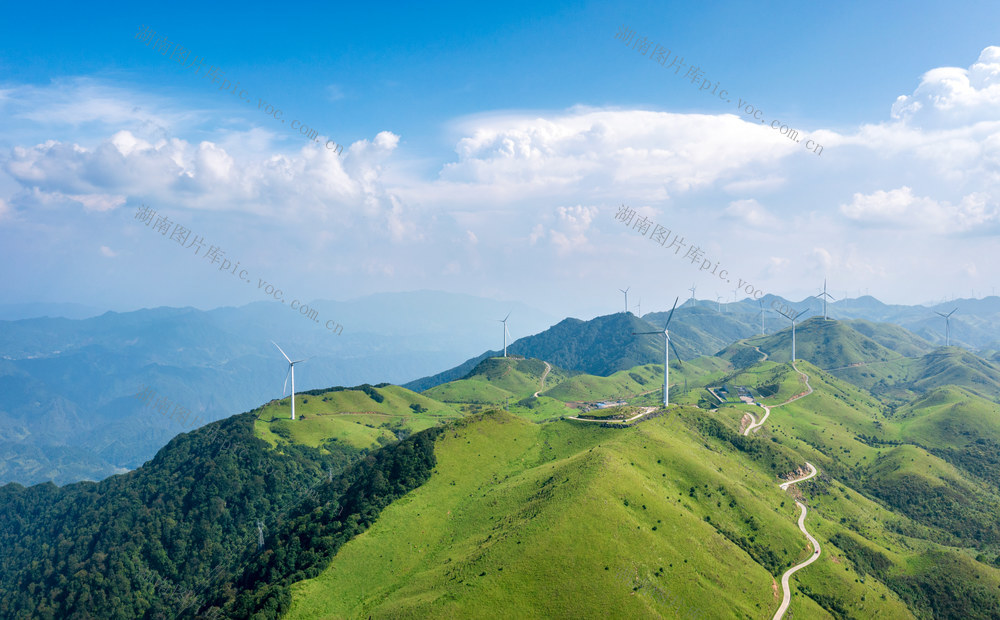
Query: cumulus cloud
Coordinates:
[750,212]
[570,229]
[652,154]
[108,252]
[900,208]
[205,176]
[949,96]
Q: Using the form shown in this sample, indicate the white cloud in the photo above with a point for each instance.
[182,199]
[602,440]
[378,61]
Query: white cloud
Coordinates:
[650,155]
[302,185]
[570,230]
[108,252]
[949,96]
[750,213]
[900,208]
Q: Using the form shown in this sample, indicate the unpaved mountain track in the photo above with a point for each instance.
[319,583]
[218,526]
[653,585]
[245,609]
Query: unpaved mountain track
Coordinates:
[541,386]
[643,411]
[786,598]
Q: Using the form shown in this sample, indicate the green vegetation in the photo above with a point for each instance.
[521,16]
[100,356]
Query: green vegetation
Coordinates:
[383,502]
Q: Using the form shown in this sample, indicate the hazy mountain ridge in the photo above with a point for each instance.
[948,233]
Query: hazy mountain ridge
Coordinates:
[69,384]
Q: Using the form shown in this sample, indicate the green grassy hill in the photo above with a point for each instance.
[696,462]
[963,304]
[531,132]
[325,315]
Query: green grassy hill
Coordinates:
[498,378]
[362,417]
[606,344]
[522,514]
[498,524]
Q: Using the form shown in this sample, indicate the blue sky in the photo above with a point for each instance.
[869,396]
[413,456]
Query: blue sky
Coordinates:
[488,147]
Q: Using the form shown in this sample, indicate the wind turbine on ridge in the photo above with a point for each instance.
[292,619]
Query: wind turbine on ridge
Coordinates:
[718,300]
[666,353]
[291,373]
[505,332]
[626,297]
[761,304]
[792,319]
[692,289]
[823,296]
[947,326]
[638,307]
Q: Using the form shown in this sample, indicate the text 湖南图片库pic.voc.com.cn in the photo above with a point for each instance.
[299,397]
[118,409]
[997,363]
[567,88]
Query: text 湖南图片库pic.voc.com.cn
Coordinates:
[216,255]
[660,54]
[181,54]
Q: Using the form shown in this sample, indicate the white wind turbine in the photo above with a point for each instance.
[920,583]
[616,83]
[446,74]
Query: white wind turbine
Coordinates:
[505,332]
[947,326]
[792,319]
[638,308]
[626,297]
[718,300]
[761,304]
[290,373]
[692,289]
[666,353]
[824,295]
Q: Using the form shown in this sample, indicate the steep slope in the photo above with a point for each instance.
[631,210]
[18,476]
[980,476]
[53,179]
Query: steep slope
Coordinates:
[497,523]
[600,346]
[497,378]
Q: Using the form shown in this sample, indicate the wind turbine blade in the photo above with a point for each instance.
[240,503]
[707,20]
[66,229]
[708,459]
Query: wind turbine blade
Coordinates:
[953,312]
[800,314]
[507,317]
[676,354]
[285,387]
[671,315]
[645,333]
[282,352]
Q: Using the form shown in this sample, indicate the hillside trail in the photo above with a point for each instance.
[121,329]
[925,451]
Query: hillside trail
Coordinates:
[786,597]
[642,411]
[767,410]
[762,353]
[541,386]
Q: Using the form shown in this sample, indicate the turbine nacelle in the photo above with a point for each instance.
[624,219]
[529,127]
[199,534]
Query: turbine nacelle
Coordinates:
[289,374]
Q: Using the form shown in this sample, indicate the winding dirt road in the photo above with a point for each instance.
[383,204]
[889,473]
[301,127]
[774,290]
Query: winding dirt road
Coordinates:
[541,387]
[786,598]
[642,411]
[755,424]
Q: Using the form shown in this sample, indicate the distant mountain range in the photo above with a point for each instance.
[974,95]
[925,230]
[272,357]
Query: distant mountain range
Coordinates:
[605,345]
[69,386]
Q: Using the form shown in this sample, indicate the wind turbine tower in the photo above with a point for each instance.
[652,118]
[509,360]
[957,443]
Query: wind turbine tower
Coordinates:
[761,304]
[505,332]
[718,300]
[290,373]
[824,296]
[792,318]
[626,290]
[666,353]
[947,326]
[692,289]
[638,308]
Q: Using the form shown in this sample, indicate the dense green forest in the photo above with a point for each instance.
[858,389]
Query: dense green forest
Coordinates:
[165,539]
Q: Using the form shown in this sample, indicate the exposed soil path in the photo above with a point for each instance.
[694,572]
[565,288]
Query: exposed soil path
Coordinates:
[541,387]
